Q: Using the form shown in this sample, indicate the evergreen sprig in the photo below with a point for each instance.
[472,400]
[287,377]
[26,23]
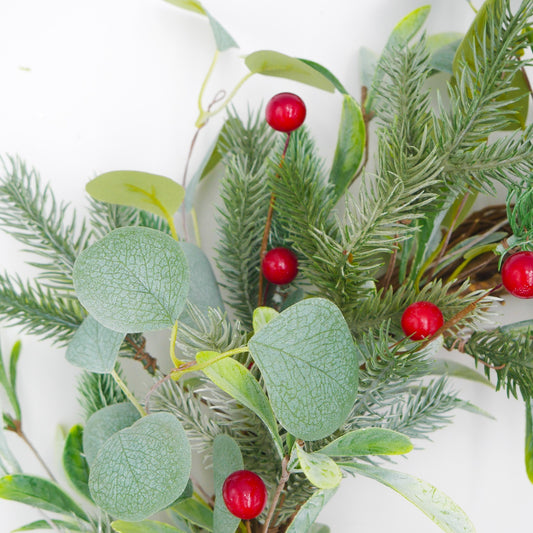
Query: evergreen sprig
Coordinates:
[520,215]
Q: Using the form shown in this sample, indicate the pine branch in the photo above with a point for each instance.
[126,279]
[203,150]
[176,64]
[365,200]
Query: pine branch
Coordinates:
[520,214]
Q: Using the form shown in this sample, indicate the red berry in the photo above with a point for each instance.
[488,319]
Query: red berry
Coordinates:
[244,494]
[285,112]
[280,266]
[517,274]
[421,320]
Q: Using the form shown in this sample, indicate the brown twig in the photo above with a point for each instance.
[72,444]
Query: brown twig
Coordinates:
[149,362]
[281,485]
[390,268]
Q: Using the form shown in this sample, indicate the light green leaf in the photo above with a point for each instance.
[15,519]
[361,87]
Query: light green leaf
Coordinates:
[235,379]
[74,461]
[319,469]
[204,292]
[39,493]
[472,408]
[8,383]
[104,424]
[262,316]
[227,458]
[62,525]
[195,512]
[326,73]
[151,192]
[223,39]
[319,528]
[442,48]
[304,520]
[309,363]
[442,367]
[350,146]
[8,463]
[146,526]
[270,63]
[368,62]
[190,5]
[436,505]
[13,363]
[135,279]
[94,347]
[142,469]
[529,441]
[369,441]
[400,36]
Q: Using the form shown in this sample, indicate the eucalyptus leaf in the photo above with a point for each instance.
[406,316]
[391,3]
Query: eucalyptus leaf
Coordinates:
[529,441]
[368,441]
[436,505]
[307,514]
[134,279]
[326,73]
[151,192]
[443,367]
[319,469]
[195,512]
[94,347]
[142,469]
[74,461]
[309,364]
[350,146]
[145,526]
[262,316]
[190,5]
[39,493]
[223,39]
[61,525]
[227,458]
[237,381]
[270,63]
[104,424]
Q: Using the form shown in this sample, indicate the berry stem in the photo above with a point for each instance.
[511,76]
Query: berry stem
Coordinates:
[248,526]
[281,485]
[268,224]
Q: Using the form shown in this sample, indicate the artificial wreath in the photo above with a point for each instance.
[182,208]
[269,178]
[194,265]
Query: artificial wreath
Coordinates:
[309,352]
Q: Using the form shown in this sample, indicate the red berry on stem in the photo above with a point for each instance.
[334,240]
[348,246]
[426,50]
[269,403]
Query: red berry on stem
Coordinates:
[244,494]
[517,274]
[285,112]
[420,320]
[280,266]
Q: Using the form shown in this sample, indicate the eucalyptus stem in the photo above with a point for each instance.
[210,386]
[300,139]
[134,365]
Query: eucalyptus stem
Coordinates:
[173,337]
[128,393]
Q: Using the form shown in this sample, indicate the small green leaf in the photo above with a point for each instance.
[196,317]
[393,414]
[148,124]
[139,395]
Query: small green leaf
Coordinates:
[39,493]
[369,441]
[190,5]
[9,387]
[13,363]
[135,279]
[104,424]
[529,440]
[304,520]
[350,146]
[319,528]
[320,470]
[195,512]
[223,39]
[61,525]
[235,379]
[442,48]
[270,63]
[151,192]
[142,469]
[8,463]
[436,505]
[146,526]
[442,367]
[94,347]
[227,458]
[309,363]
[74,461]
[327,74]
[262,316]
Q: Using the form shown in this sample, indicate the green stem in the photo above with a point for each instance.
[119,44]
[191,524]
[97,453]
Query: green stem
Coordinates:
[173,337]
[206,79]
[196,228]
[128,393]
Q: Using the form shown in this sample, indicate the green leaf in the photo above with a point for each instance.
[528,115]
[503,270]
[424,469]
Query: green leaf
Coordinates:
[529,440]
[319,469]
[204,292]
[270,63]
[262,316]
[190,5]
[350,146]
[294,297]
[326,73]
[368,62]
[8,463]
[319,528]
[442,48]
[223,39]
[74,461]
[135,279]
[309,363]
[304,520]
[369,441]
[94,347]
[142,469]
[235,379]
[400,36]
[146,526]
[195,512]
[227,458]
[436,505]
[9,387]
[151,192]
[61,525]
[39,493]
[13,363]
[104,424]
[442,367]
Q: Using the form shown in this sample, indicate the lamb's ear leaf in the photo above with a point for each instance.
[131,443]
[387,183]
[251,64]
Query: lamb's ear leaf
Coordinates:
[127,485]
[309,511]
[442,48]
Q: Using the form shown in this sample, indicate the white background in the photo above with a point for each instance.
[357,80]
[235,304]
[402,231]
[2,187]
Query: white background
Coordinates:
[87,87]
